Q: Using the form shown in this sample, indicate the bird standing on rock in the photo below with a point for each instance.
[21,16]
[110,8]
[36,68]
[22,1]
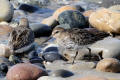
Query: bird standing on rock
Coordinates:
[21,37]
[75,39]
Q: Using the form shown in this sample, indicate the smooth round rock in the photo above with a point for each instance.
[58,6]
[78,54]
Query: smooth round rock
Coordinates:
[4,67]
[25,71]
[36,60]
[50,78]
[74,19]
[62,9]
[32,55]
[106,20]
[106,48]
[28,8]
[62,73]
[51,47]
[65,26]
[6,10]
[40,29]
[92,78]
[51,56]
[108,65]
[50,21]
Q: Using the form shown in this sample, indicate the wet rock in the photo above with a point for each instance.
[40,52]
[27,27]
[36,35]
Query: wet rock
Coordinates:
[28,8]
[62,73]
[3,67]
[106,48]
[50,21]
[6,10]
[108,65]
[65,26]
[40,29]
[62,9]
[50,78]
[51,56]
[40,3]
[23,71]
[51,47]
[74,19]
[32,55]
[36,60]
[106,20]
[92,78]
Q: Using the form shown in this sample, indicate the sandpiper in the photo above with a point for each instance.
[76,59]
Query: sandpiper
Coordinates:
[75,39]
[22,37]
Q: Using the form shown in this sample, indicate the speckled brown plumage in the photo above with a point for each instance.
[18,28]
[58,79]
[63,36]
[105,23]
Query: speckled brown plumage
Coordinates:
[76,38]
[21,36]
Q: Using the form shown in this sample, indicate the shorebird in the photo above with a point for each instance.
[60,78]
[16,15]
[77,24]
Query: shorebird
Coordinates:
[75,39]
[22,37]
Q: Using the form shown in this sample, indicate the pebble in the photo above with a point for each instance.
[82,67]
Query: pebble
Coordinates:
[40,29]
[65,26]
[50,78]
[92,78]
[61,73]
[25,71]
[28,8]
[106,48]
[108,65]
[50,21]
[6,10]
[74,19]
[62,9]
[51,47]
[106,20]
[36,60]
[4,67]
[51,56]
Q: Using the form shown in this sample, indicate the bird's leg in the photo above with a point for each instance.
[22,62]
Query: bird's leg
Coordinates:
[75,56]
[89,53]
[111,34]
[100,55]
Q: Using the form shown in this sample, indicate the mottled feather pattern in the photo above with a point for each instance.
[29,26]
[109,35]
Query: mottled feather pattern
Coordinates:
[21,37]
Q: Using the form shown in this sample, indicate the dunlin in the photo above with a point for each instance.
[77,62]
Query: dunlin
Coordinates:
[22,37]
[75,39]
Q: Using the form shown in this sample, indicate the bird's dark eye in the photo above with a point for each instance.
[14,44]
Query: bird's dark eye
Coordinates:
[57,32]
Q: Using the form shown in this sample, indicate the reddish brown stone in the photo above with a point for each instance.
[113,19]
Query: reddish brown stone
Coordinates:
[25,71]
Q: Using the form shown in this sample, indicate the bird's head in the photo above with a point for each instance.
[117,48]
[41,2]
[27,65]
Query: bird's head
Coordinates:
[24,22]
[57,32]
